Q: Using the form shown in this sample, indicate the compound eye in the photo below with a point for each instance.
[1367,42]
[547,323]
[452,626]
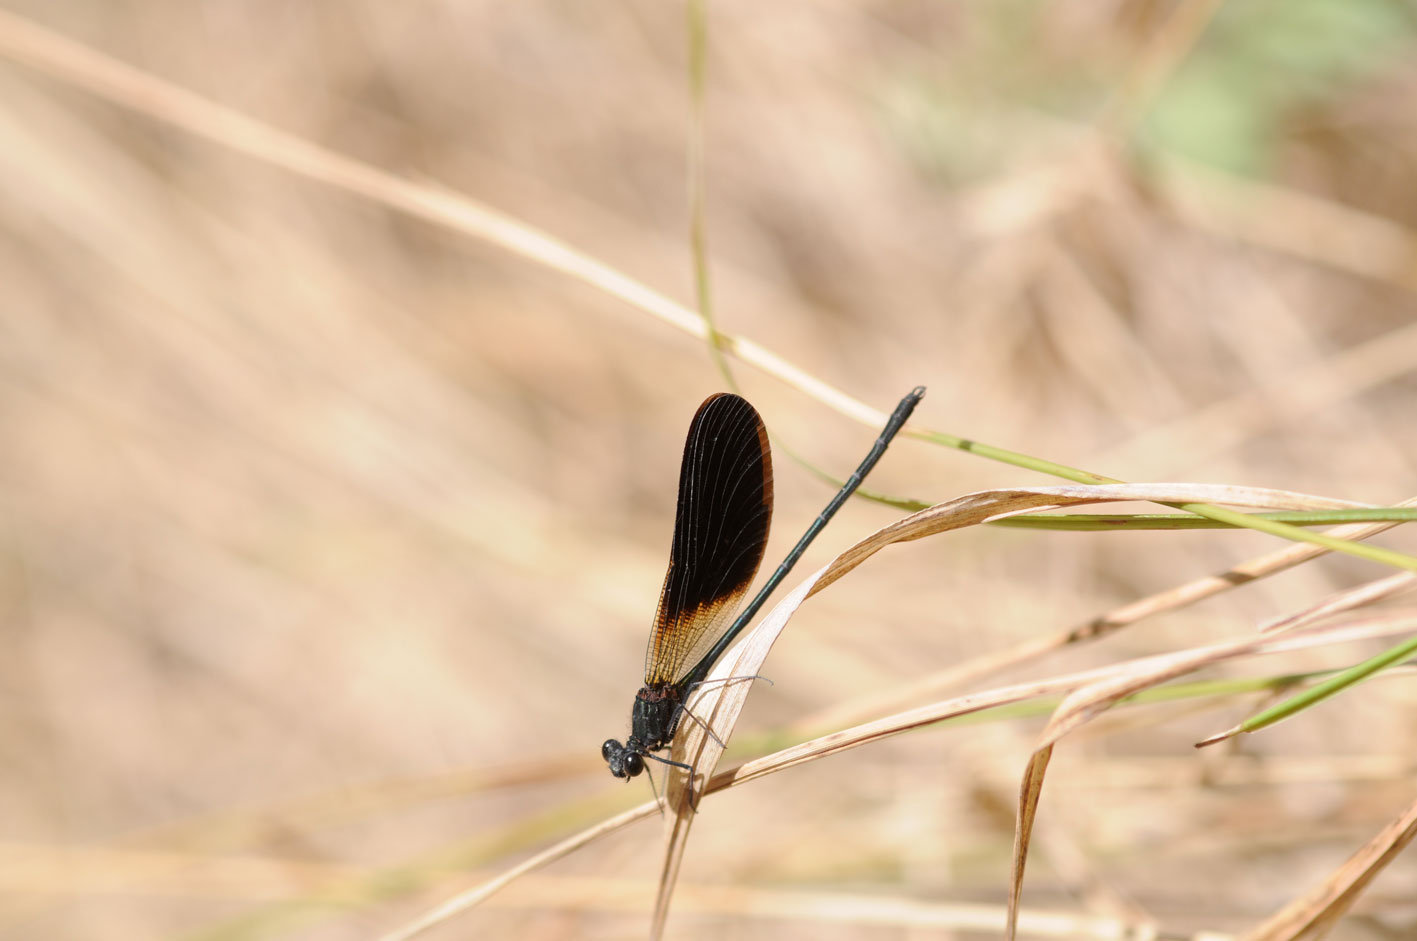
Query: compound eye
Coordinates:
[610,748]
[634,764]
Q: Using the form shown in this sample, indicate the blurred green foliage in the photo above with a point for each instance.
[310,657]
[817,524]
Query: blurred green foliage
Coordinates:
[1259,63]
[1012,82]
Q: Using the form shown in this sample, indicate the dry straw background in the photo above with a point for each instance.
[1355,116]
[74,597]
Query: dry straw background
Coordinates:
[333,510]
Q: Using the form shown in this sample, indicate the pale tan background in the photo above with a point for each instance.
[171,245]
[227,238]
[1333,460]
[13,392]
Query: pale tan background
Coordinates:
[329,538]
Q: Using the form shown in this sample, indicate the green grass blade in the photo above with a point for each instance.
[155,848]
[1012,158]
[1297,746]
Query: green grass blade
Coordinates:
[1330,687]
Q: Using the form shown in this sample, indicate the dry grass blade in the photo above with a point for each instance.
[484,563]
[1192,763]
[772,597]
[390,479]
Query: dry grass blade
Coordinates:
[719,706]
[1315,912]
[1344,601]
[1087,702]
[868,732]
[895,724]
[1170,599]
[844,741]
[985,505]
[1023,830]
[473,896]
[838,741]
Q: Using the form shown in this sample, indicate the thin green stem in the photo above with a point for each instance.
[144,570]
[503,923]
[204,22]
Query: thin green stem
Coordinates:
[698,223]
[1330,687]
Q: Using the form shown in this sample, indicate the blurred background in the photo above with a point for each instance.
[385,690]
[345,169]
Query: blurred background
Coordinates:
[330,536]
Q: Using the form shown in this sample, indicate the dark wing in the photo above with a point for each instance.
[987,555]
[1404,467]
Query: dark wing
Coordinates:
[720,531]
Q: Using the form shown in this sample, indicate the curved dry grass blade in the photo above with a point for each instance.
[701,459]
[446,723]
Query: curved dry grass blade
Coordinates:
[979,507]
[717,704]
[1170,599]
[847,739]
[885,727]
[927,715]
[1023,830]
[1344,601]
[1317,910]
[1087,702]
[470,898]
[720,703]
[921,716]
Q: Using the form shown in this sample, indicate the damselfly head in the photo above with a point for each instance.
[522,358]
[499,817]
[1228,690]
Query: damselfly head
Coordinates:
[624,761]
